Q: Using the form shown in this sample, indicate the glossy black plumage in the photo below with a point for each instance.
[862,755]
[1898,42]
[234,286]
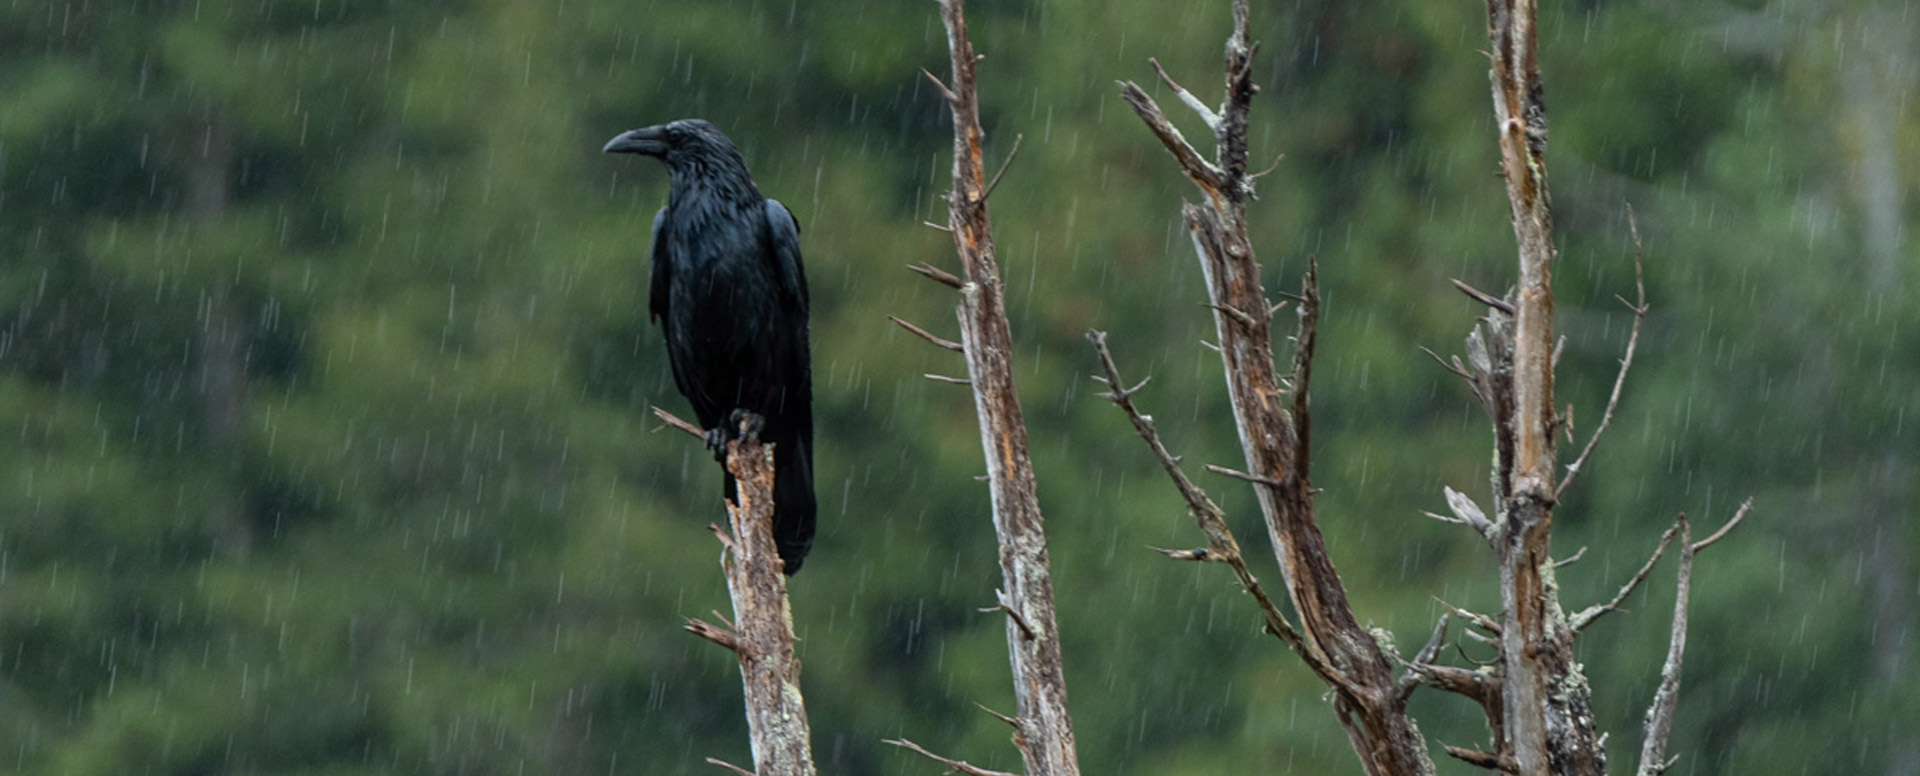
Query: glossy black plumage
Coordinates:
[730,294]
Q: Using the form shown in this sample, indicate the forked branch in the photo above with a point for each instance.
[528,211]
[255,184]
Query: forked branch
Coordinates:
[1222,547]
[1659,721]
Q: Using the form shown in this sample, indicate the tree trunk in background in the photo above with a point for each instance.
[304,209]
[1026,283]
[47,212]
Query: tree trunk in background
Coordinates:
[222,344]
[1876,78]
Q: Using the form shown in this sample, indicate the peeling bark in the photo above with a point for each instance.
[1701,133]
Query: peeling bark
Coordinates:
[761,634]
[1043,729]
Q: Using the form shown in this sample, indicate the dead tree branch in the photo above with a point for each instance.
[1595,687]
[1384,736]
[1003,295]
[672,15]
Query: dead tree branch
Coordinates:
[937,340]
[761,634]
[1044,730]
[1639,308]
[1659,721]
[1585,617]
[953,766]
[1273,428]
[729,766]
[1222,547]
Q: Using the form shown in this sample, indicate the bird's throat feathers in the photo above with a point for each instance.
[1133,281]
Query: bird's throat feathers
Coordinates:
[712,179]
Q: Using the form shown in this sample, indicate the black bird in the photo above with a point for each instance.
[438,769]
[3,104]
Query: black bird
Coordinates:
[730,294]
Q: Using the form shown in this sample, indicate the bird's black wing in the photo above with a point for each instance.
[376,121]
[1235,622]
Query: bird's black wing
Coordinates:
[660,274]
[785,234]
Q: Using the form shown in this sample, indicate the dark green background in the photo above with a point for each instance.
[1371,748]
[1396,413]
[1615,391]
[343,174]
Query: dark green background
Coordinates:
[324,374]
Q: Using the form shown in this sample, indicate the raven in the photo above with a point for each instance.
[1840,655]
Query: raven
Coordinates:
[730,295]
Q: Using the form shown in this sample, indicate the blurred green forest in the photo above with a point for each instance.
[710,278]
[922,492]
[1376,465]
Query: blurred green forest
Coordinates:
[325,368]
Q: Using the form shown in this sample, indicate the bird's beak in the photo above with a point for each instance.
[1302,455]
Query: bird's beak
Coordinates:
[651,141]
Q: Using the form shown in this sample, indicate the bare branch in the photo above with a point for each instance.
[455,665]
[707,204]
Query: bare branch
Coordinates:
[714,633]
[1240,475]
[1199,554]
[1571,559]
[1222,547]
[1453,367]
[945,91]
[949,380]
[1738,515]
[1468,513]
[1483,759]
[1659,719]
[1270,168]
[1004,164]
[1434,642]
[1207,115]
[1196,167]
[1011,722]
[1045,734]
[937,274]
[1477,619]
[953,766]
[937,340]
[674,421]
[729,766]
[1479,686]
[1483,297]
[1273,433]
[1639,308]
[1410,678]
[1001,605]
[1586,617]
[1240,317]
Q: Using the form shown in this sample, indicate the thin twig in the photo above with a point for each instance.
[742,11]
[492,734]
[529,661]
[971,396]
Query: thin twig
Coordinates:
[937,274]
[1240,317]
[1206,114]
[1483,297]
[955,766]
[949,380]
[1477,619]
[1483,759]
[1585,617]
[1240,475]
[1454,367]
[1001,605]
[1199,554]
[945,91]
[1221,546]
[1571,559]
[1011,722]
[1639,308]
[995,183]
[1410,678]
[1196,167]
[1270,168]
[714,633]
[729,766]
[674,421]
[936,339]
[1738,515]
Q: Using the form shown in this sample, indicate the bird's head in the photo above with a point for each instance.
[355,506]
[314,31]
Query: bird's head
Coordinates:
[675,143]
